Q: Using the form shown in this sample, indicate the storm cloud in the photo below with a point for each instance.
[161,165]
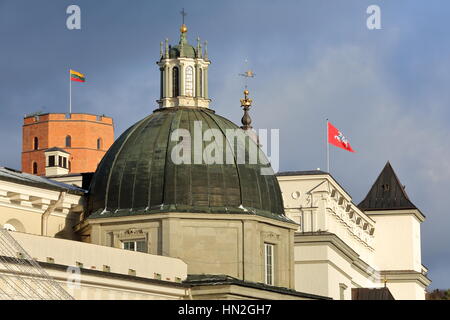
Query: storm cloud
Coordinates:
[387,89]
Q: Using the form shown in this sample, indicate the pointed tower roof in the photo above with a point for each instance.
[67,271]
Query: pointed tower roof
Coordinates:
[387,193]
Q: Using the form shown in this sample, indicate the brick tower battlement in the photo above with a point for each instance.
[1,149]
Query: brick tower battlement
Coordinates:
[85,137]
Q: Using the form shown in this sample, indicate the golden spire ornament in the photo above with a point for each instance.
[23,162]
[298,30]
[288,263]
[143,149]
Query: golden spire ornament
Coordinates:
[183,28]
[246,103]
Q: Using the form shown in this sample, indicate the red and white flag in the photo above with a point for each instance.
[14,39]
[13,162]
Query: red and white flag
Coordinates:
[336,138]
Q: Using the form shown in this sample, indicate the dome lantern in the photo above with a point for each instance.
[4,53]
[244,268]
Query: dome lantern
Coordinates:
[184,74]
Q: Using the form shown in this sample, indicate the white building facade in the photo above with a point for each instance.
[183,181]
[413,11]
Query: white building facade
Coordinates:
[340,246]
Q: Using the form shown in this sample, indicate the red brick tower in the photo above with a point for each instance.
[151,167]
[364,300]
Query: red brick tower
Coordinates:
[85,137]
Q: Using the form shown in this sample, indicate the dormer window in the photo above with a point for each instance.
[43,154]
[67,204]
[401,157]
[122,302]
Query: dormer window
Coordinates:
[57,162]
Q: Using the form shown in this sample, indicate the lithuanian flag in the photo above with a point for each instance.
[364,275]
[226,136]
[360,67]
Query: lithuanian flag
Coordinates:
[76,76]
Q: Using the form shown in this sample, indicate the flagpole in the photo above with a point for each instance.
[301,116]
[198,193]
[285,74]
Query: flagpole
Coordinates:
[70,94]
[328,150]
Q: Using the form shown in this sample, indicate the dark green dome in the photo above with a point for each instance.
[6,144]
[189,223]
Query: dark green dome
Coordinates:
[137,175]
[187,51]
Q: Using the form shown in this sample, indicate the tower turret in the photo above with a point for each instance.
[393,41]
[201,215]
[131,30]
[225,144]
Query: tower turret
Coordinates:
[184,74]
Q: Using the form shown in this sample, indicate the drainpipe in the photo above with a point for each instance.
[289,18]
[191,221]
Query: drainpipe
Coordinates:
[50,210]
[243,249]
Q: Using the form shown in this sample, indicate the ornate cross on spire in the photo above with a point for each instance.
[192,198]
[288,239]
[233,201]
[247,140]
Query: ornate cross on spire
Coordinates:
[183,14]
[183,28]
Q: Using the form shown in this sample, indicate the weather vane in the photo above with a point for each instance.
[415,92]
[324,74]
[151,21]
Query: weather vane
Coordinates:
[246,103]
[247,74]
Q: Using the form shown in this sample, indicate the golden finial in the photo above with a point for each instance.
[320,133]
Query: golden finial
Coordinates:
[183,28]
[246,102]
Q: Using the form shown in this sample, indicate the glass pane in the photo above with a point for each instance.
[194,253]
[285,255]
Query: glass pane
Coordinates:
[269,263]
[175,83]
[129,245]
[189,82]
[141,246]
[51,161]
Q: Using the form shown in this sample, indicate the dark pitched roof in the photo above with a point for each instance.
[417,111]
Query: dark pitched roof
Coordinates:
[387,193]
[15,176]
[212,279]
[371,294]
[57,149]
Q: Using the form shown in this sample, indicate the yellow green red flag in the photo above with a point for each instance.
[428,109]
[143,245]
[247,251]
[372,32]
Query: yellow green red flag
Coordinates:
[76,76]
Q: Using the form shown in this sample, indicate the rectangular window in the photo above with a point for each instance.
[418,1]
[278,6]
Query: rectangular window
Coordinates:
[60,161]
[129,245]
[135,245]
[269,263]
[51,161]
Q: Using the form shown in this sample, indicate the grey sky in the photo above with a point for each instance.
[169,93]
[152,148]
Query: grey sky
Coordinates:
[385,89]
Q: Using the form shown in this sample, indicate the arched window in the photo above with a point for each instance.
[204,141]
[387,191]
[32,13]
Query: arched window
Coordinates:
[200,76]
[68,142]
[189,89]
[36,143]
[99,143]
[35,168]
[14,225]
[175,82]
